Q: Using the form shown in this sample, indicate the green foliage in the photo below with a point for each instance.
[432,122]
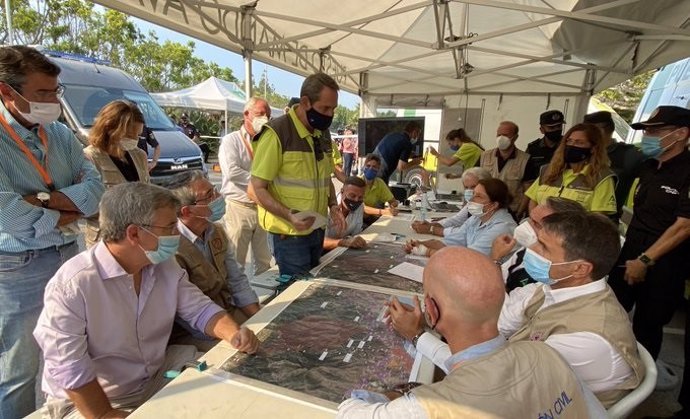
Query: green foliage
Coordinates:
[625,97]
[76,26]
[345,118]
[265,89]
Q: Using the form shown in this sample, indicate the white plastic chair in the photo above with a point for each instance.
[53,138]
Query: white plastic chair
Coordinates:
[627,404]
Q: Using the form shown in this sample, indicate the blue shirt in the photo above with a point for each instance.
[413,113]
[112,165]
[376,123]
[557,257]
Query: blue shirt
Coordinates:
[393,147]
[476,351]
[27,227]
[479,236]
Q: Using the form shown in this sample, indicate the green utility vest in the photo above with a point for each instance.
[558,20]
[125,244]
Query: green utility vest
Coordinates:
[304,177]
[577,190]
[111,176]
[598,313]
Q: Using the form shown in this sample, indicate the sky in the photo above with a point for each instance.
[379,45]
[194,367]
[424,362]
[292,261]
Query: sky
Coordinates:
[284,82]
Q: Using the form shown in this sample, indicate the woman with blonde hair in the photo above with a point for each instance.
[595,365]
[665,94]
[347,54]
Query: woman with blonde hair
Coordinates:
[113,150]
[579,171]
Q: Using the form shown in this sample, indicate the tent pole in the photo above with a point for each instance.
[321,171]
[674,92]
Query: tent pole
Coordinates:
[8,17]
[247,74]
[226,118]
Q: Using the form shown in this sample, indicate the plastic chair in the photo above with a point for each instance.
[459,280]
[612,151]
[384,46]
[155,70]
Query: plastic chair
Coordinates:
[627,404]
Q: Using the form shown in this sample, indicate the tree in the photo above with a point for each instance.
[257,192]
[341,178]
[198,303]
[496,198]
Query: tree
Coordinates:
[75,26]
[625,97]
[266,90]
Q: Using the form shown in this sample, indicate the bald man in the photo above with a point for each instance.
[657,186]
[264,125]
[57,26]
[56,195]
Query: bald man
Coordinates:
[463,296]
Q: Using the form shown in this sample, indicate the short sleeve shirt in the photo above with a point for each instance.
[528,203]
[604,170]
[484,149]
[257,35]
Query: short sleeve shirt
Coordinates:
[393,147]
[468,154]
[377,194]
[662,195]
[539,155]
[190,130]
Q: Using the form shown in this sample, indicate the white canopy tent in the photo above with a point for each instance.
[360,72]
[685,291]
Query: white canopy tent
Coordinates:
[442,53]
[213,93]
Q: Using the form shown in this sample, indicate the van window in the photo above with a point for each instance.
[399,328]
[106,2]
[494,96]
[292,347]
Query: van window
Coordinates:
[87,101]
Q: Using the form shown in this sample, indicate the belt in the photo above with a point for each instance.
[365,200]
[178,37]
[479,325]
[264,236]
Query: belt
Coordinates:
[45,249]
[251,205]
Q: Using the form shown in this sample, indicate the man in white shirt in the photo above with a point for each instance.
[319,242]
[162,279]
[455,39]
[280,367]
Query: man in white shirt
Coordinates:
[570,308]
[488,377]
[351,200]
[235,156]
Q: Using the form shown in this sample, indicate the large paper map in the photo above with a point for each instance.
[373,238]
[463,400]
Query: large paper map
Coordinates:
[370,266]
[328,341]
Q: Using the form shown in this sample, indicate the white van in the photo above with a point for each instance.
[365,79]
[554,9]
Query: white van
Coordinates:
[669,86]
[90,84]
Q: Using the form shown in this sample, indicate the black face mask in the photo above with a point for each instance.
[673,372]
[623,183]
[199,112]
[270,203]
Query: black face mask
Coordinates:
[554,136]
[576,154]
[352,205]
[318,120]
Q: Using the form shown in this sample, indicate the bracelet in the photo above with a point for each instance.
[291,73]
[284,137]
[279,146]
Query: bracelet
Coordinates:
[380,212]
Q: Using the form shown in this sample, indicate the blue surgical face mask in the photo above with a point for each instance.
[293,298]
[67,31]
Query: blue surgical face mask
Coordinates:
[468,194]
[539,267]
[370,173]
[651,146]
[217,207]
[167,247]
[455,147]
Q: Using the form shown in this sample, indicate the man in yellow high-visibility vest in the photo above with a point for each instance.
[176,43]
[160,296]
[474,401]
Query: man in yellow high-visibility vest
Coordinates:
[291,177]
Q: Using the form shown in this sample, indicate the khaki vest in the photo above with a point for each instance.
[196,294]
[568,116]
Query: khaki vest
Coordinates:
[209,276]
[111,176]
[303,183]
[512,173]
[598,313]
[520,380]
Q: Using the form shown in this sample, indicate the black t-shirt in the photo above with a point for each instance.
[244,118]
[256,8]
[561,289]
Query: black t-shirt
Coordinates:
[626,163]
[539,155]
[662,195]
[145,138]
[190,130]
[127,168]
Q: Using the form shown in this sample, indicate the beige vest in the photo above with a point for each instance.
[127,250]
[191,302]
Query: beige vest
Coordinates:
[111,176]
[512,173]
[598,313]
[209,276]
[520,380]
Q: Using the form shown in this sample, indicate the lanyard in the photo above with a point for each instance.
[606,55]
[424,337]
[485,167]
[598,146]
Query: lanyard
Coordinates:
[246,144]
[40,168]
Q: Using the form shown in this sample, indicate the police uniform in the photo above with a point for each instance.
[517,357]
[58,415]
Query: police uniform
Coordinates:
[539,151]
[662,196]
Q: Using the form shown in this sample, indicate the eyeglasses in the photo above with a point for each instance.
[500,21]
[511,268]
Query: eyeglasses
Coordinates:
[43,94]
[208,198]
[171,230]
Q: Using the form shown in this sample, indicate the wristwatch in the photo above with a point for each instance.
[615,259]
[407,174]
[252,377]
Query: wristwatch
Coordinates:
[44,197]
[416,338]
[646,259]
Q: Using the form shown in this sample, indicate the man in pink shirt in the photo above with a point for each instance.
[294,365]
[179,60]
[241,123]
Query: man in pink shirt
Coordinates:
[109,311]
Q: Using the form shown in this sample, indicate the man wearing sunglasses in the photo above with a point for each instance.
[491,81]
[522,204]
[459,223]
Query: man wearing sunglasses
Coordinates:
[109,310]
[487,375]
[46,185]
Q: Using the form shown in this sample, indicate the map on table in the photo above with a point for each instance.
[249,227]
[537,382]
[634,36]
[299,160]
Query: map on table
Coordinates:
[327,342]
[370,266]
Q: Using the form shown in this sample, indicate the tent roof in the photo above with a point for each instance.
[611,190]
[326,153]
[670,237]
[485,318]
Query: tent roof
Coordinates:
[213,93]
[435,48]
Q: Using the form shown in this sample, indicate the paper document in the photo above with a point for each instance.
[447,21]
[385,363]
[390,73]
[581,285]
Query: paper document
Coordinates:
[409,271]
[406,217]
[319,220]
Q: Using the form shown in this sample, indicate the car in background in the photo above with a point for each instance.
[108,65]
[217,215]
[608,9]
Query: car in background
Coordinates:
[90,84]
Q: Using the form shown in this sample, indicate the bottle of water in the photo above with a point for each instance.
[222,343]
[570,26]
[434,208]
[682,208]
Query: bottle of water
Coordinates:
[425,203]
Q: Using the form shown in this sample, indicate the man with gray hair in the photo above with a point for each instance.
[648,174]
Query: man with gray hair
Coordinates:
[470,179]
[207,256]
[235,156]
[109,311]
[291,177]
[46,185]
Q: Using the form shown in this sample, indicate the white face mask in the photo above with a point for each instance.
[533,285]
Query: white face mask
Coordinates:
[258,123]
[503,142]
[475,208]
[41,113]
[525,235]
[128,144]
